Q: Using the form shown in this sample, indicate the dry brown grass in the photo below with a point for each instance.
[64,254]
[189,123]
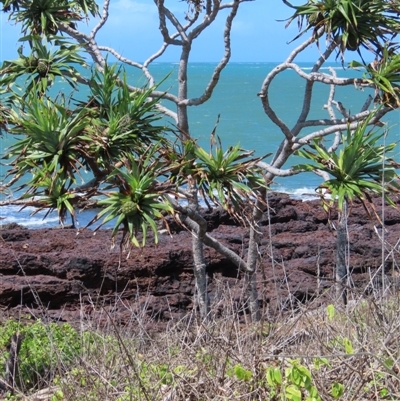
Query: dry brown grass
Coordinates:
[355,350]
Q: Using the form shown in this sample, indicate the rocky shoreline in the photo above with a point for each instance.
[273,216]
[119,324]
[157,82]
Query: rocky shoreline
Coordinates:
[65,276]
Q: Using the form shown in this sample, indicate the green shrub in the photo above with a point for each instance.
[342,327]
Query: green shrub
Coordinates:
[44,348]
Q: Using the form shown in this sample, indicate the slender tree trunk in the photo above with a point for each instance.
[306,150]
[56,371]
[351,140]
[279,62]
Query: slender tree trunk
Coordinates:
[183,121]
[341,246]
[199,268]
[12,362]
[252,295]
[253,262]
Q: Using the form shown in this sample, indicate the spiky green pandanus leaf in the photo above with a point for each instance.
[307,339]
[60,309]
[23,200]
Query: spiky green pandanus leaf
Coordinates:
[228,178]
[361,166]
[39,69]
[139,202]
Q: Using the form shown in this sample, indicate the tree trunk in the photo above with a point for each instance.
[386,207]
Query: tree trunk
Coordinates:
[182,112]
[253,262]
[252,295]
[199,268]
[12,362]
[341,247]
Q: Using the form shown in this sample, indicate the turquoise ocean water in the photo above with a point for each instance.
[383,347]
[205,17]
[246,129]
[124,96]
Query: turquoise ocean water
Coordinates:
[242,118]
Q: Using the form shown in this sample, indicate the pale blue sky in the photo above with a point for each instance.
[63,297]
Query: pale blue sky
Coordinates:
[132,29]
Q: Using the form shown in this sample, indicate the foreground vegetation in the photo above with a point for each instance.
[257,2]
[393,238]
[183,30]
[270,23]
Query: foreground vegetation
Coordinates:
[107,141]
[319,353]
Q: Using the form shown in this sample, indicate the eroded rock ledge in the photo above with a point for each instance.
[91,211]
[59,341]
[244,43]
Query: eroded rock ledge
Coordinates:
[69,275]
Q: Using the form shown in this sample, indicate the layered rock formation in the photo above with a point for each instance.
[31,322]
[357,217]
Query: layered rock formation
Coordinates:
[66,276]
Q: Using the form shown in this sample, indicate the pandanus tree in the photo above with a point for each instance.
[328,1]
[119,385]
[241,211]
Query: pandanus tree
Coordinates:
[345,29]
[362,166]
[347,26]
[138,166]
[122,120]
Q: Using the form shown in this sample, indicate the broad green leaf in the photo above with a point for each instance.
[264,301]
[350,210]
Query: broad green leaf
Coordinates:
[293,393]
[348,346]
[330,311]
[337,390]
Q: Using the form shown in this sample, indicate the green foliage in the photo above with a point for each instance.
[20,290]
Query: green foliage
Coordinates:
[337,390]
[274,377]
[42,17]
[113,134]
[350,23]
[43,348]
[361,166]
[199,369]
[348,346]
[40,68]
[58,142]
[152,375]
[137,205]
[55,196]
[319,363]
[58,395]
[53,148]
[206,361]
[240,373]
[124,120]
[52,140]
[181,158]
[384,75]
[343,344]
[228,177]
[330,312]
[296,384]
[4,116]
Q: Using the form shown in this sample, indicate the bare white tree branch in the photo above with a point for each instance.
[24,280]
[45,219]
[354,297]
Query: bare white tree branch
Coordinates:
[207,20]
[277,171]
[103,19]
[163,12]
[221,65]
[329,106]
[119,57]
[195,222]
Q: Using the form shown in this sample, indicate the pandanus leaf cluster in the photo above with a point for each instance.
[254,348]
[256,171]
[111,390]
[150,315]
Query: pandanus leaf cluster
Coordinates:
[362,166]
[46,61]
[384,75]
[51,139]
[4,117]
[126,120]
[54,195]
[58,141]
[350,23]
[42,17]
[228,177]
[139,203]
[355,25]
